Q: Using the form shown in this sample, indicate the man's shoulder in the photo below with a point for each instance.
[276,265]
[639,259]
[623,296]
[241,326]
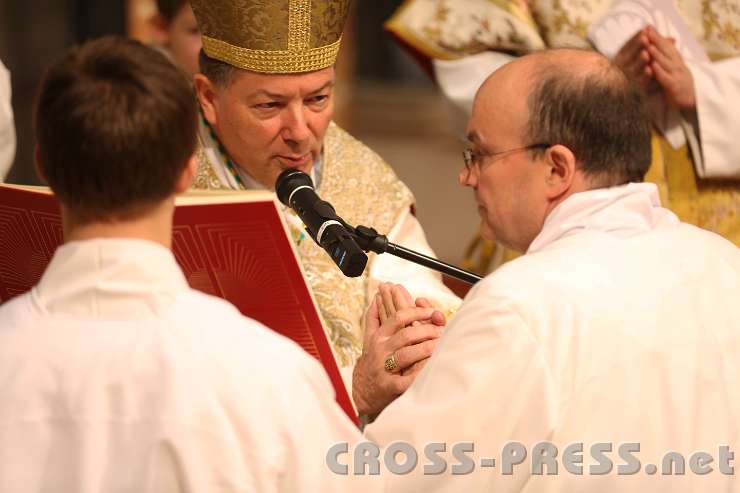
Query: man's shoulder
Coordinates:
[16,313]
[226,331]
[709,239]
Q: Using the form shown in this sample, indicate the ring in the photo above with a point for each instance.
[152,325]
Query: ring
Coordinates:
[391,364]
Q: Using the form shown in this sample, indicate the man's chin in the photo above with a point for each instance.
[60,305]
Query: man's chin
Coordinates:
[305,168]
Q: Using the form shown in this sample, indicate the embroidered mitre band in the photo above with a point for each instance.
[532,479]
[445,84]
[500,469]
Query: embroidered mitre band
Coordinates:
[272,36]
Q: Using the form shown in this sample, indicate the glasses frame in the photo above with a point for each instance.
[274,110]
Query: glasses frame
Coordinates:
[471,161]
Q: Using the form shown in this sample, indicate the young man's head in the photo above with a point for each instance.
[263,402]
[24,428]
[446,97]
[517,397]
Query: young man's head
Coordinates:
[267,78]
[116,130]
[547,126]
[177,30]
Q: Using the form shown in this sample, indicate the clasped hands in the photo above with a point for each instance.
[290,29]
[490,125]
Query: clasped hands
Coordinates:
[656,64]
[400,327]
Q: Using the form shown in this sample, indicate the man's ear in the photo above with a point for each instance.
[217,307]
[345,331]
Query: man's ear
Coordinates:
[207,95]
[37,164]
[160,29]
[187,176]
[561,167]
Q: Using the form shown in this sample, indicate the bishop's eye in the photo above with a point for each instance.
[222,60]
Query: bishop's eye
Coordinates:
[268,105]
[318,101]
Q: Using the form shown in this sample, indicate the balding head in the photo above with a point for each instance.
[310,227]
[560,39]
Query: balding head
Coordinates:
[547,126]
[583,101]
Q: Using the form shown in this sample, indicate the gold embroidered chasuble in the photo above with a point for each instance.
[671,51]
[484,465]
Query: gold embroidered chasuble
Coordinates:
[364,190]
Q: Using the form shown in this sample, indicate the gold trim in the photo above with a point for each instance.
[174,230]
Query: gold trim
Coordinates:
[271,62]
[299,25]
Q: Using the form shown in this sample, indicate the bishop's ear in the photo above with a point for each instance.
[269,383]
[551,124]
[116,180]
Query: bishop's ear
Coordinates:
[561,170]
[206,92]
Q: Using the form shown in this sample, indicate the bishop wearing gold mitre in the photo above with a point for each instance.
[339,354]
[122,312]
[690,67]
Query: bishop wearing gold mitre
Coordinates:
[266,93]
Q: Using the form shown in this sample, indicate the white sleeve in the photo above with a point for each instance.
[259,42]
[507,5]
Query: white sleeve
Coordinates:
[486,383]
[420,281]
[316,423]
[717,87]
[7,127]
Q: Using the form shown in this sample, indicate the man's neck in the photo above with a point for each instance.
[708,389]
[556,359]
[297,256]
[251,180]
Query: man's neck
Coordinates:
[154,225]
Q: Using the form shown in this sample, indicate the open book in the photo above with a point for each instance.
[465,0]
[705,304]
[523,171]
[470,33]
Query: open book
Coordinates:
[234,245]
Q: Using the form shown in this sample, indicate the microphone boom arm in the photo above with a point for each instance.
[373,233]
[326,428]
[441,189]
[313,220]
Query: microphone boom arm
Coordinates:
[370,240]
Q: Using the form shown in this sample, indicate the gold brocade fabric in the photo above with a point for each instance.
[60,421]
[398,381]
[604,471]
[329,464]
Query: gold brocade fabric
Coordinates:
[710,204]
[272,36]
[451,29]
[364,190]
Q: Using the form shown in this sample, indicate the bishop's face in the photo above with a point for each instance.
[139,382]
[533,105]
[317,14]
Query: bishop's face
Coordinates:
[270,122]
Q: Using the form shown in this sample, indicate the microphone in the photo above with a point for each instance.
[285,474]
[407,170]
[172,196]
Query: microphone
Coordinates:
[295,189]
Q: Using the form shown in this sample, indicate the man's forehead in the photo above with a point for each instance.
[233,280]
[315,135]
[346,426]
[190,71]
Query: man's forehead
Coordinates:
[253,83]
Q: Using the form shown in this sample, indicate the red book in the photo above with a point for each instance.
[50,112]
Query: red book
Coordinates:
[234,245]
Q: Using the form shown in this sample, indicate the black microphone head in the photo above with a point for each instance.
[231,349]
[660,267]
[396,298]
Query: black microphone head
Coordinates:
[288,181]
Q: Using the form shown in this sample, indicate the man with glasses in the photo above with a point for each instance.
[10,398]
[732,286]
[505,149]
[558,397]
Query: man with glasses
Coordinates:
[619,324]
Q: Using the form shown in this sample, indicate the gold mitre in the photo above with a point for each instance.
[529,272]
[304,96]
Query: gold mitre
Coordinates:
[272,36]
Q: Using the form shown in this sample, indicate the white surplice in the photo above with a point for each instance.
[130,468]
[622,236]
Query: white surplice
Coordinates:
[620,324]
[115,376]
[717,87]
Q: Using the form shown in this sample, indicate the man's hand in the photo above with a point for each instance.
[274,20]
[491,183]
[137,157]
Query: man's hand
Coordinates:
[392,331]
[634,59]
[670,71]
[395,297]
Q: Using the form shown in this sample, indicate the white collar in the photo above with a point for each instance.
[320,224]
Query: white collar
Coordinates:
[622,211]
[118,278]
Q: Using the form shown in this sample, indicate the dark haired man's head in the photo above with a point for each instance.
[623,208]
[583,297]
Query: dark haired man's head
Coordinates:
[546,126]
[115,127]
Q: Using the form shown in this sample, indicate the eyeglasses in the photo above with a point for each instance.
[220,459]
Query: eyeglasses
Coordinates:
[472,159]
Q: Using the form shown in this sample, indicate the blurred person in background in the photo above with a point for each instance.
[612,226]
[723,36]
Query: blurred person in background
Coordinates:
[7,125]
[176,33]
